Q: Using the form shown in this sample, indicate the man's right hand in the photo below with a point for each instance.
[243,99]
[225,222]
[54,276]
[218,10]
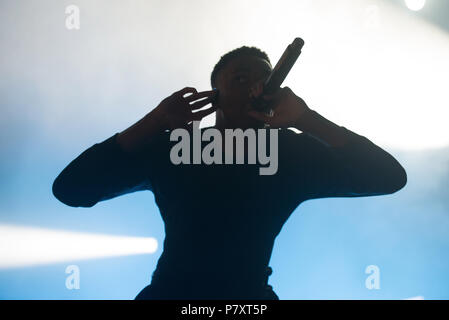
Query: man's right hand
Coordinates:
[173,112]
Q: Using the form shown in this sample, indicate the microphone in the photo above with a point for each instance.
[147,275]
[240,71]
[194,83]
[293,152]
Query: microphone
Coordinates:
[278,74]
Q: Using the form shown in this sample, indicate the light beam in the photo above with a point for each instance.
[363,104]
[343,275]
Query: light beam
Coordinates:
[29,246]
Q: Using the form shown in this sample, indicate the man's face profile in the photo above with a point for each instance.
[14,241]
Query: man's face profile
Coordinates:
[234,82]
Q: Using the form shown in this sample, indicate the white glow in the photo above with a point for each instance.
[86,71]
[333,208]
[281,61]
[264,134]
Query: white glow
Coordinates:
[28,246]
[415,5]
[367,65]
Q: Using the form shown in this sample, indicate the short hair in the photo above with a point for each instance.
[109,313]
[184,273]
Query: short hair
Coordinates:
[225,59]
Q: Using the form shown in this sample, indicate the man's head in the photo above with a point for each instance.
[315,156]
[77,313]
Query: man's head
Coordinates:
[234,75]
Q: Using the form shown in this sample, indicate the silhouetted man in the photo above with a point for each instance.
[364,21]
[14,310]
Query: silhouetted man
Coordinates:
[221,220]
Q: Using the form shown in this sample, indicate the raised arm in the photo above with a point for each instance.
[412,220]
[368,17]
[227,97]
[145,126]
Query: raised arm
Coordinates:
[336,162]
[127,161]
[331,161]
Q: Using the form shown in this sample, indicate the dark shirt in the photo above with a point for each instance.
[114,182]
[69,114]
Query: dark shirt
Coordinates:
[221,220]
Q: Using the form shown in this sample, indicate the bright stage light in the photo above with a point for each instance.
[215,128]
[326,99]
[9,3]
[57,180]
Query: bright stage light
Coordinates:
[29,246]
[415,5]
[367,65]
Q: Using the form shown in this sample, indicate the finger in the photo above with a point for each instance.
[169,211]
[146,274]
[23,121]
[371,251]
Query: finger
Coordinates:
[202,113]
[201,103]
[276,94]
[182,92]
[260,116]
[202,94]
[272,96]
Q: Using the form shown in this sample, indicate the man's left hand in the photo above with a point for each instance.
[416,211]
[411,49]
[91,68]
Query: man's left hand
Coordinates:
[288,108]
